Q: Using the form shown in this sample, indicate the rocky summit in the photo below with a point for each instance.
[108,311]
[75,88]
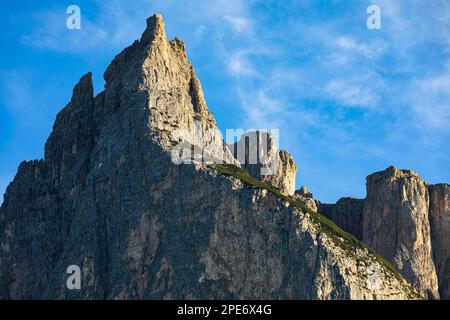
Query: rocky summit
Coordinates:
[139,192]
[396,225]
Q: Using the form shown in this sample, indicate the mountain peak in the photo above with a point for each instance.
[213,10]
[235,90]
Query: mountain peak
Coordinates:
[155,29]
[84,90]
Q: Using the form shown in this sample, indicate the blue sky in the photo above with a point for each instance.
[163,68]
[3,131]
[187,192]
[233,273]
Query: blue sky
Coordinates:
[348,101]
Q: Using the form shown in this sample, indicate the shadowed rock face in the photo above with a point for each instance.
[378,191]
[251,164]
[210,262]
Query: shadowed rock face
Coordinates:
[440,234]
[396,225]
[108,198]
[346,213]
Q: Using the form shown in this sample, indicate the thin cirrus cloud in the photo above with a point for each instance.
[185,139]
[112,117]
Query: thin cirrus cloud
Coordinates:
[239,24]
[50,33]
[431,102]
[352,94]
[353,48]
[239,65]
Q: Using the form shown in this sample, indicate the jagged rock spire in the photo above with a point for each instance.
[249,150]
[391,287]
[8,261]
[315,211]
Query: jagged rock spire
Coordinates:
[155,29]
[83,92]
[158,73]
[71,138]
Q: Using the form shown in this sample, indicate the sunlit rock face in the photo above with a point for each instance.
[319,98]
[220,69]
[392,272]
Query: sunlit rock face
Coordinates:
[405,220]
[396,225]
[258,154]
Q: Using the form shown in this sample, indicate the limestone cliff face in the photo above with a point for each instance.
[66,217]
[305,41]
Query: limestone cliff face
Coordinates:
[396,225]
[346,213]
[258,154]
[111,197]
[440,234]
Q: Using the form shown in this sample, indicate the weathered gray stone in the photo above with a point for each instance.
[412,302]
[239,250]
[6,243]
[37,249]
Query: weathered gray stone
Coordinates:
[346,213]
[258,154]
[440,234]
[396,225]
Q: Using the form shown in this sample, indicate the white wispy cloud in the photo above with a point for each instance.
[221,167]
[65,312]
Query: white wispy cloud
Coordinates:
[117,23]
[50,33]
[239,24]
[430,102]
[200,32]
[351,94]
[263,111]
[239,64]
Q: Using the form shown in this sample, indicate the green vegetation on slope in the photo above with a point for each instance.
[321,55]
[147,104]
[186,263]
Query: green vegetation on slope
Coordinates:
[341,238]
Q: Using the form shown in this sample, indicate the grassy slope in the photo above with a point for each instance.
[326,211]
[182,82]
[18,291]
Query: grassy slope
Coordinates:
[338,236]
